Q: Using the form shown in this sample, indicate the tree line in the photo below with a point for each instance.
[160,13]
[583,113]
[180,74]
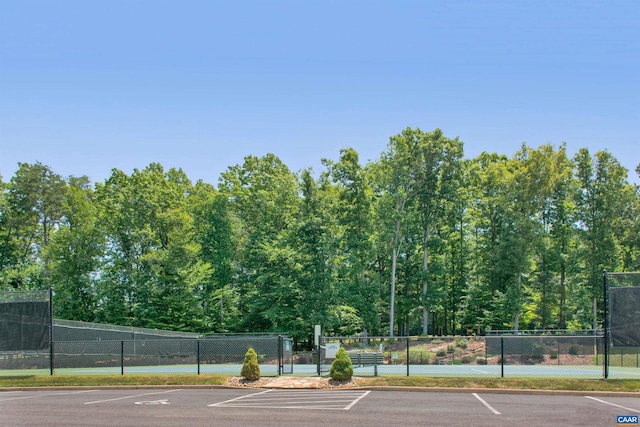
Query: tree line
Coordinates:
[419,241]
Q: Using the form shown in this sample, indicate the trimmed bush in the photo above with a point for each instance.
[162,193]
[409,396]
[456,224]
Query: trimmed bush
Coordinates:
[341,368]
[250,367]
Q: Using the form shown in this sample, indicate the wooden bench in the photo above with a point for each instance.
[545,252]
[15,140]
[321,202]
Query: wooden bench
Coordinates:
[365,358]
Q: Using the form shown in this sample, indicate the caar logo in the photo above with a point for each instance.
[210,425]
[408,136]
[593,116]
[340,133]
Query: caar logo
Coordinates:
[627,420]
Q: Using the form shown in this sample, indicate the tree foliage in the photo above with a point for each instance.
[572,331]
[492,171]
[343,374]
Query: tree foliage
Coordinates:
[418,241]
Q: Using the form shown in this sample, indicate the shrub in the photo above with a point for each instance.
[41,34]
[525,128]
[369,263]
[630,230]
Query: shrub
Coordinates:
[441,352]
[481,361]
[532,359]
[461,342]
[341,368]
[250,367]
[465,360]
[574,350]
[553,354]
[420,357]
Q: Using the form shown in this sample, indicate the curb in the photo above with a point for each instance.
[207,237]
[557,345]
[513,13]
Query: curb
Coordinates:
[371,388]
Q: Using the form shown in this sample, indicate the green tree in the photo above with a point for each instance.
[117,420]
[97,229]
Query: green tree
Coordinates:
[600,208]
[75,251]
[33,210]
[217,236]
[395,190]
[316,252]
[152,274]
[264,196]
[354,211]
[437,169]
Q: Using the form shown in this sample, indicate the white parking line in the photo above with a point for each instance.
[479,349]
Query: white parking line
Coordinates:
[613,404]
[130,397]
[300,399]
[356,401]
[238,398]
[34,396]
[491,408]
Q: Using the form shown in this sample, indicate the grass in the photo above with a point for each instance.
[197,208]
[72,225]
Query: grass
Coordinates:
[177,380]
[510,383]
[109,380]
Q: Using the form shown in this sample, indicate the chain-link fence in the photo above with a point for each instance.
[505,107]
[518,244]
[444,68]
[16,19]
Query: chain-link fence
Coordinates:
[491,356]
[223,355]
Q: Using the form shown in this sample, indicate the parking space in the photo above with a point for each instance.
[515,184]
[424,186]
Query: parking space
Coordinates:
[296,399]
[191,406]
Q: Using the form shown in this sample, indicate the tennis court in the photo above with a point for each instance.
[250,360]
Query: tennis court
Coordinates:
[489,371]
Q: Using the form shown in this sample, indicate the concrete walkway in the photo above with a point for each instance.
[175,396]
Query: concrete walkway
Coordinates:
[294,382]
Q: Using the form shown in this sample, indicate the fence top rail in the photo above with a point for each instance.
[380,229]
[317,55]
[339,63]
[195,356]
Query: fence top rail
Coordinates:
[161,340]
[405,337]
[74,324]
[544,332]
[453,337]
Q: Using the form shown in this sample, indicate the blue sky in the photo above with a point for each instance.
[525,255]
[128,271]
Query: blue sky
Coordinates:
[91,85]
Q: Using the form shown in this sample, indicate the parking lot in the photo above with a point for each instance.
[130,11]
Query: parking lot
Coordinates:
[239,407]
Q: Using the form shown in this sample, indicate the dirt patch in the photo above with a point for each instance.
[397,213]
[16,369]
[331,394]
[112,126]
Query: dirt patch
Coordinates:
[243,382]
[330,383]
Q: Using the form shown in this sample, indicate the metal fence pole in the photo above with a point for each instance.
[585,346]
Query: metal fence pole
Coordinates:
[198,354]
[501,356]
[51,353]
[318,349]
[605,323]
[51,356]
[408,353]
[280,355]
[122,357]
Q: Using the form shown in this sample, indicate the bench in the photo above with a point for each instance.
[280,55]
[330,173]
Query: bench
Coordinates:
[364,358]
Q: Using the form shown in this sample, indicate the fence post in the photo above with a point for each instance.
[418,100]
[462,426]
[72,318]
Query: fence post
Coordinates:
[280,355]
[122,357]
[319,353]
[408,359]
[501,356]
[51,356]
[198,354]
[605,324]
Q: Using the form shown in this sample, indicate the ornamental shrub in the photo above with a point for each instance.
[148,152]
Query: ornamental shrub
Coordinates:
[341,368]
[250,367]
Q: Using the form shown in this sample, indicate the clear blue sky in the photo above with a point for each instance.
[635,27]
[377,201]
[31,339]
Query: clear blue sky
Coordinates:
[91,85]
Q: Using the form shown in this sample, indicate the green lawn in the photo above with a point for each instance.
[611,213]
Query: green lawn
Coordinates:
[150,380]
